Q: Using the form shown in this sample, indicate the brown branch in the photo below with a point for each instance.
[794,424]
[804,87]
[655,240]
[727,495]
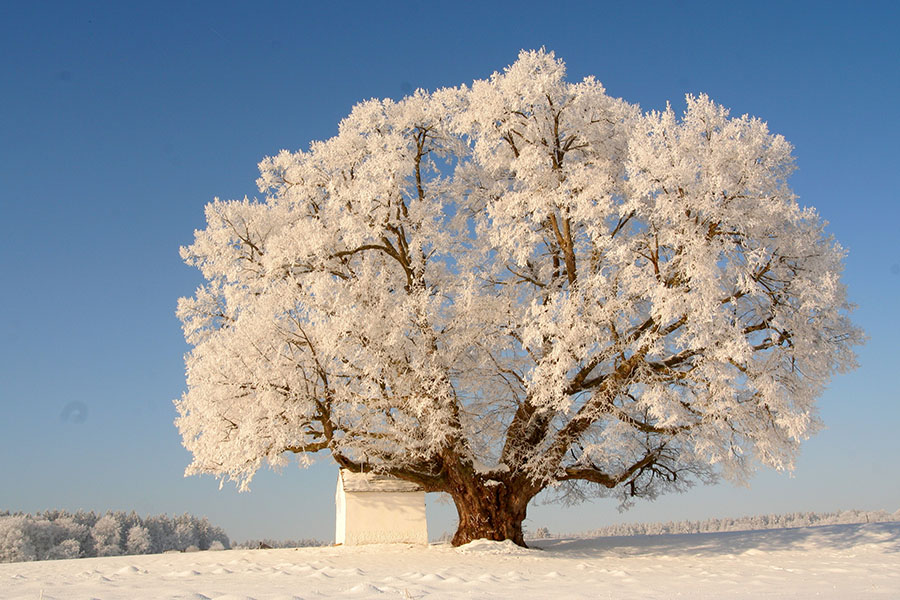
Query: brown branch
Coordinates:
[310,447]
[526,278]
[588,413]
[564,241]
[606,480]
[431,475]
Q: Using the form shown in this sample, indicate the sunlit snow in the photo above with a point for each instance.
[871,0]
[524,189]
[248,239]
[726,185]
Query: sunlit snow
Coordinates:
[838,561]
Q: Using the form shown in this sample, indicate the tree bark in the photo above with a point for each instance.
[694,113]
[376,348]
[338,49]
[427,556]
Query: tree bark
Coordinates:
[489,510]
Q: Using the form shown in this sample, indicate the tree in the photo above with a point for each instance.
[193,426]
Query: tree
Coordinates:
[15,543]
[69,548]
[516,286]
[107,534]
[138,540]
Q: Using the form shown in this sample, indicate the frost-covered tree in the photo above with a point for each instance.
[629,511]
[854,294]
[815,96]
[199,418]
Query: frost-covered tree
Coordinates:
[68,548]
[210,535]
[107,534]
[138,540]
[520,285]
[57,534]
[162,533]
[72,534]
[15,543]
[186,532]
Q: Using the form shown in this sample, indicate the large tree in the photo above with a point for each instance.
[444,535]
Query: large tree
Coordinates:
[519,285]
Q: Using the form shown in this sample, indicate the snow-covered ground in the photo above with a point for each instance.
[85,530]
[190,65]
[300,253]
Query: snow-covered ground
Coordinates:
[838,561]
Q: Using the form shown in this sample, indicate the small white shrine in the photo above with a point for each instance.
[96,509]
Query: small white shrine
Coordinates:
[378,509]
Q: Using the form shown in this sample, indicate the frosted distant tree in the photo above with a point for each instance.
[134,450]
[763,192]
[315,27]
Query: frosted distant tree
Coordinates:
[65,549]
[58,534]
[138,540]
[15,543]
[520,285]
[186,532]
[162,533]
[107,535]
[43,535]
[210,535]
[71,529]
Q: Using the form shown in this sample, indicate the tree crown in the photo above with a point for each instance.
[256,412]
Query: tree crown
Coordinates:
[521,280]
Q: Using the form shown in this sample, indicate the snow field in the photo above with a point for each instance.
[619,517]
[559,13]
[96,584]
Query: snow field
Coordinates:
[841,561]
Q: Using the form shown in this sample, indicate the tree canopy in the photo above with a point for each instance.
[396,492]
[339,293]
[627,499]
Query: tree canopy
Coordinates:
[521,284]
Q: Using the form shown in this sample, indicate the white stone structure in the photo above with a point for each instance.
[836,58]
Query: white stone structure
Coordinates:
[377,509]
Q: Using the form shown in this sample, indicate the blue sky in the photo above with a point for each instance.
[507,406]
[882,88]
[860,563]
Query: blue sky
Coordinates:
[120,122]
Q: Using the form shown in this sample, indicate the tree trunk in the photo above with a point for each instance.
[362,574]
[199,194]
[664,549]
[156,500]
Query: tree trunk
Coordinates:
[493,512]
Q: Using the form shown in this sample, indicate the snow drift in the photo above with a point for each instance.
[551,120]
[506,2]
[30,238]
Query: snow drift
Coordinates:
[839,561]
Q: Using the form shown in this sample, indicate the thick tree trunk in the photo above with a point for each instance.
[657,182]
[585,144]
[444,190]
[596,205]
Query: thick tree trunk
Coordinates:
[493,512]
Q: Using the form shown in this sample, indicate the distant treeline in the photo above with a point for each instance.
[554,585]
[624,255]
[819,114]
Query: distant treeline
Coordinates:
[269,543]
[56,534]
[798,519]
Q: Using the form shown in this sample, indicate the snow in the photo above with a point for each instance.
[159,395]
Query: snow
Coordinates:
[373,482]
[838,561]
[488,547]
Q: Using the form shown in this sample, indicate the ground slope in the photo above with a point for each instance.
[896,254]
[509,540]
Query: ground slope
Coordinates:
[839,561]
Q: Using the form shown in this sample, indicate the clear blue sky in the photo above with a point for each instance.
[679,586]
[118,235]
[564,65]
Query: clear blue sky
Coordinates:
[118,123]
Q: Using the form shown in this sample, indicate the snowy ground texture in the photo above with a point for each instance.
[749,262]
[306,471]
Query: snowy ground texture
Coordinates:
[837,561]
